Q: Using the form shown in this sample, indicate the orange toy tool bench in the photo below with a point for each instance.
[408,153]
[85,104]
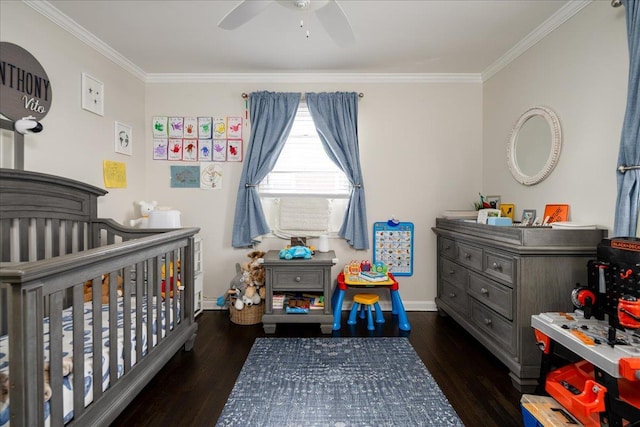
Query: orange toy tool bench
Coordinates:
[397,308]
[602,389]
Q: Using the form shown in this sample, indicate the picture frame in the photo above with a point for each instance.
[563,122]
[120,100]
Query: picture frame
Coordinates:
[92,94]
[528,216]
[507,210]
[123,139]
[494,201]
[556,213]
[484,214]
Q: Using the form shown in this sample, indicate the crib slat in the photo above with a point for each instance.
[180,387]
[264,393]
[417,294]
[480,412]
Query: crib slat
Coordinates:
[126,314]
[149,280]
[81,237]
[23,233]
[40,238]
[113,336]
[96,316]
[55,237]
[5,241]
[176,290]
[68,236]
[78,350]
[139,316]
[158,294]
[55,357]
[167,292]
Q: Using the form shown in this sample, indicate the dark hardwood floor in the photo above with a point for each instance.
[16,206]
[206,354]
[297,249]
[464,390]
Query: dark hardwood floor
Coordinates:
[192,388]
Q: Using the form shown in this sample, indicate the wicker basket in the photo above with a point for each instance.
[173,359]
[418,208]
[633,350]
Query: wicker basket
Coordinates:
[249,315]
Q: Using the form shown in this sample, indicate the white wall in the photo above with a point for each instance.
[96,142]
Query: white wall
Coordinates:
[420,151]
[426,146]
[580,71]
[74,142]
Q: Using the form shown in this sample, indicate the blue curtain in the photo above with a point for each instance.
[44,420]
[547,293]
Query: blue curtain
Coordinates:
[335,117]
[626,217]
[272,116]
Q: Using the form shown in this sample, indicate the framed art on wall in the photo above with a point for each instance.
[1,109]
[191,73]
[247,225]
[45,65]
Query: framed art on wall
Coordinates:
[92,94]
[123,139]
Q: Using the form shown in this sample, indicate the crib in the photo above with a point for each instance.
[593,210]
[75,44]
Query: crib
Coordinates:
[52,247]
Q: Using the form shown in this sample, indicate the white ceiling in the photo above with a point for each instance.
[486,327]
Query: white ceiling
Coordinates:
[399,36]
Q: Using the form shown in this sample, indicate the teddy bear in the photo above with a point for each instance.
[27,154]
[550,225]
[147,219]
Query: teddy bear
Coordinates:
[145,209]
[88,289]
[249,289]
[67,367]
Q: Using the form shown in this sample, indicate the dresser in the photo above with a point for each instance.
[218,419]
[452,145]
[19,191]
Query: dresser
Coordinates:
[298,275]
[491,280]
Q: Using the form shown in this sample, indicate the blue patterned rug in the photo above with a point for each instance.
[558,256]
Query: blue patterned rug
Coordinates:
[336,382]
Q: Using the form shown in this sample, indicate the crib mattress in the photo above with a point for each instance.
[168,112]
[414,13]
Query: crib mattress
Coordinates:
[67,346]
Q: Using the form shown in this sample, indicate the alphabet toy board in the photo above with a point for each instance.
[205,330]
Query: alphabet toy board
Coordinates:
[393,245]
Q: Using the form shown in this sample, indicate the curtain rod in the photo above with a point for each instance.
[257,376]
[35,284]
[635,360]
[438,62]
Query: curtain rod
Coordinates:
[616,3]
[246,95]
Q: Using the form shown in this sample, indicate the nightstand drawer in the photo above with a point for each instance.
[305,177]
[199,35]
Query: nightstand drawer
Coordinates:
[470,256]
[495,295]
[499,329]
[499,266]
[454,273]
[300,279]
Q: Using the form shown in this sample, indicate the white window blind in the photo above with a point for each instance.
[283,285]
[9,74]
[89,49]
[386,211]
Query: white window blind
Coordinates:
[303,168]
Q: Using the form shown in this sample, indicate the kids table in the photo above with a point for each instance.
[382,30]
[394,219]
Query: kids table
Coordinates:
[345,282]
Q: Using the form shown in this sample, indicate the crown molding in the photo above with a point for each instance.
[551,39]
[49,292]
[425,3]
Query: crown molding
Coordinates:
[49,11]
[560,17]
[312,78]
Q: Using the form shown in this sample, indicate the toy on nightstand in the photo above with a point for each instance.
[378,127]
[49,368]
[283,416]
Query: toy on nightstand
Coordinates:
[145,209]
[296,252]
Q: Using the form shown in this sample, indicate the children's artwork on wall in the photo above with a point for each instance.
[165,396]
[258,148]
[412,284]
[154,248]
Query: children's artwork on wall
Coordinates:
[115,174]
[123,139]
[175,149]
[234,150]
[219,150]
[234,127]
[210,176]
[176,126]
[190,126]
[205,146]
[219,128]
[160,148]
[190,150]
[185,176]
[160,127]
[507,210]
[204,127]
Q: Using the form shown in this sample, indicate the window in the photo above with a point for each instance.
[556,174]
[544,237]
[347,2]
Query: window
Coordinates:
[303,168]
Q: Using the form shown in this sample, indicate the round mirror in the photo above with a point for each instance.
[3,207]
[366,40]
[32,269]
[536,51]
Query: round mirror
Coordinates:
[534,146]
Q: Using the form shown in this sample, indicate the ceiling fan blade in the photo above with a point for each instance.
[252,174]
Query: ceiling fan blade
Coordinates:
[336,23]
[243,13]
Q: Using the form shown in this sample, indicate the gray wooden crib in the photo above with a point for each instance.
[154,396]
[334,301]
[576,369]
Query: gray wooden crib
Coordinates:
[52,245]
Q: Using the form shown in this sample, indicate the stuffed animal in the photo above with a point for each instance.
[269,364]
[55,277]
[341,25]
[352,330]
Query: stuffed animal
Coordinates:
[249,289]
[145,208]
[88,289]
[67,367]
[295,252]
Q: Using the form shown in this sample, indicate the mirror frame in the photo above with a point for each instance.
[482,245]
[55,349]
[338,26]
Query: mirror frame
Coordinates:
[554,153]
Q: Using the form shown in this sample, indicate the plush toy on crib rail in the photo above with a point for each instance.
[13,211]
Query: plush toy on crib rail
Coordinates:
[145,209]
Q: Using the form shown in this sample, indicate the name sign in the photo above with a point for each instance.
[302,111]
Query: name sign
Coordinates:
[25,89]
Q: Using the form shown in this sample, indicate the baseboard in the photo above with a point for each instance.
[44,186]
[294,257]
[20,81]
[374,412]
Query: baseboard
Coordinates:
[385,305]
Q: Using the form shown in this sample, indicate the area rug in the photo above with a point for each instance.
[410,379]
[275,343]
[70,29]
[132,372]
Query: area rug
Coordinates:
[336,382]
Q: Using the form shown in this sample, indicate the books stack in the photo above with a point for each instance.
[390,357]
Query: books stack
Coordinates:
[277,301]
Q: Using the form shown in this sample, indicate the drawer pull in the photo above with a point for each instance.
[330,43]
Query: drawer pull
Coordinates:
[497,266]
[452,295]
[447,247]
[487,322]
[484,291]
[467,255]
[298,279]
[452,272]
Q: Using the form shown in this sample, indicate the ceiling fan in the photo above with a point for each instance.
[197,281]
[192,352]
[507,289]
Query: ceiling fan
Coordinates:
[330,15]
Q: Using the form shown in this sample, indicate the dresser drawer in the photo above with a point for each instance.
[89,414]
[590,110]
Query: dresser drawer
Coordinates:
[454,297]
[454,273]
[499,329]
[493,294]
[299,279]
[499,265]
[470,256]
[447,247]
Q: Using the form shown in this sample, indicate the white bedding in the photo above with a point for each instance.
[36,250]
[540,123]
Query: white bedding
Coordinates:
[67,346]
